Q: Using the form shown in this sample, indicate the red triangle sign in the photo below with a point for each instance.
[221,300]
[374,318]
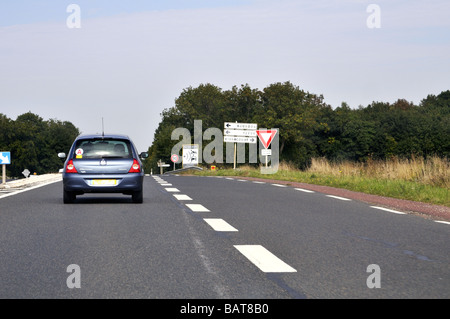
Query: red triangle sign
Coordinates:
[266,136]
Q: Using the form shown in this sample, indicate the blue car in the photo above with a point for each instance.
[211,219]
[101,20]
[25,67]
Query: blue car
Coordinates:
[103,164]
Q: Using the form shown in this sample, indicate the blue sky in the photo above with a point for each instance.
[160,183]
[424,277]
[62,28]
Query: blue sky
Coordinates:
[132,59]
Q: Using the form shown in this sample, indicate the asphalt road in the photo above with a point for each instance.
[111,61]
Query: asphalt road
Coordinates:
[252,240]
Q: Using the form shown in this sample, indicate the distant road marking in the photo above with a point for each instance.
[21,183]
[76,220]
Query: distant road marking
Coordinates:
[304,190]
[182,197]
[172,190]
[229,178]
[278,185]
[197,208]
[337,197]
[264,259]
[219,224]
[257,182]
[241,180]
[388,210]
[442,222]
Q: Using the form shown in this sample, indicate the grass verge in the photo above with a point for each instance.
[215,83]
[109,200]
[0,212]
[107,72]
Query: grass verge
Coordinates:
[388,187]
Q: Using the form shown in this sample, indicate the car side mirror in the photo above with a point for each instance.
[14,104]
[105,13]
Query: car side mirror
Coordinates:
[143,155]
[62,155]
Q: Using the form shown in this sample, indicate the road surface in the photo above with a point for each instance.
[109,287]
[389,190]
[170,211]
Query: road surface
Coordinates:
[217,238]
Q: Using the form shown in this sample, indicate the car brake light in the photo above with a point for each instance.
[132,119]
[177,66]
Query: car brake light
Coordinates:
[135,168]
[70,168]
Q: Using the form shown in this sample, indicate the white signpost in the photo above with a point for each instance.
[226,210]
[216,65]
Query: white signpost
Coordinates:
[5,159]
[239,133]
[266,138]
[190,155]
[174,158]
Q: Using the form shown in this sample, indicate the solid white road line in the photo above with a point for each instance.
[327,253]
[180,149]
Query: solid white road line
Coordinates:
[442,222]
[304,190]
[172,190]
[388,210]
[197,208]
[337,197]
[264,259]
[219,224]
[182,197]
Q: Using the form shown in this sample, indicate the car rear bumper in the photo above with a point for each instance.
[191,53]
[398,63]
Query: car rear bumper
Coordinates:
[81,183]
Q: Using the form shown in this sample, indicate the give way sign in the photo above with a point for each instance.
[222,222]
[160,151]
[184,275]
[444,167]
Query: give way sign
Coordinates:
[266,136]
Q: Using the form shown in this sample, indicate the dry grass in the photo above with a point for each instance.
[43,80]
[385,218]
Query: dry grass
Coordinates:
[432,171]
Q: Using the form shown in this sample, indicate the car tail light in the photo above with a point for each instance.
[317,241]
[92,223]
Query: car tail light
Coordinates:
[70,168]
[135,168]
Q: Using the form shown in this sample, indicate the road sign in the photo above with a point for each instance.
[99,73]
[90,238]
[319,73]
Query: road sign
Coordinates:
[190,155]
[266,136]
[240,139]
[240,132]
[5,158]
[240,126]
[266,152]
[174,158]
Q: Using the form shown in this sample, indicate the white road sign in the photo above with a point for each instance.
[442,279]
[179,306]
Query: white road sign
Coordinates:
[240,126]
[190,155]
[240,132]
[240,139]
[5,158]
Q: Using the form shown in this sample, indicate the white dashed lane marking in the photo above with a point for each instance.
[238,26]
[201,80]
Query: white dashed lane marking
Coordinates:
[219,224]
[182,197]
[172,190]
[264,259]
[337,197]
[198,208]
[304,190]
[388,210]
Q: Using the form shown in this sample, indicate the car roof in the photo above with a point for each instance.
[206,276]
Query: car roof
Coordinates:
[106,136]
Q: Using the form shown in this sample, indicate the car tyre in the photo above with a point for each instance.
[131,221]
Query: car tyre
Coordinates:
[138,197]
[69,197]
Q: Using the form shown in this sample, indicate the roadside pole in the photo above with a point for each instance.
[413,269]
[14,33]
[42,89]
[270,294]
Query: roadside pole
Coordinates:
[3,174]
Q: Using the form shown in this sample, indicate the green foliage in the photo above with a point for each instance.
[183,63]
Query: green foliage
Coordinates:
[34,143]
[309,127]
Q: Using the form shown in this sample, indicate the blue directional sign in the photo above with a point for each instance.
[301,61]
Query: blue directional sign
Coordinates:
[5,158]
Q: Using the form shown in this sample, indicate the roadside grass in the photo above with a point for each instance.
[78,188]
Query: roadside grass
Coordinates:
[416,179]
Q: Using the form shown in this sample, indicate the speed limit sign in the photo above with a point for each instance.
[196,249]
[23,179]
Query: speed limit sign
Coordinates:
[174,158]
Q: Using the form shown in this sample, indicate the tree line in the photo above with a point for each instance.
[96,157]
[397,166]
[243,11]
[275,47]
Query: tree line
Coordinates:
[34,143]
[311,128]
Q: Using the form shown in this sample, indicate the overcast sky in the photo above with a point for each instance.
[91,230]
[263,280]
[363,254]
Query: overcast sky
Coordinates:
[132,59]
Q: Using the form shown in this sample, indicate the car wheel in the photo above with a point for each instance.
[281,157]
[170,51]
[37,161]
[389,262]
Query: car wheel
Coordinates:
[69,197]
[138,197]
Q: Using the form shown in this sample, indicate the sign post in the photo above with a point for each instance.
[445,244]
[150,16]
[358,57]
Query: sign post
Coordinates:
[266,138]
[5,159]
[239,133]
[174,159]
[161,166]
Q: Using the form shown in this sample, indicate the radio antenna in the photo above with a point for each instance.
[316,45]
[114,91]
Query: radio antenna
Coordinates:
[103,128]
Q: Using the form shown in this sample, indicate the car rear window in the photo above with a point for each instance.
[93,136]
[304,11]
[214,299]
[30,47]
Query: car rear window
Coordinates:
[102,148]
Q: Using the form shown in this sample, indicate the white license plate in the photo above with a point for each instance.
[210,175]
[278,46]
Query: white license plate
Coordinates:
[104,182]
